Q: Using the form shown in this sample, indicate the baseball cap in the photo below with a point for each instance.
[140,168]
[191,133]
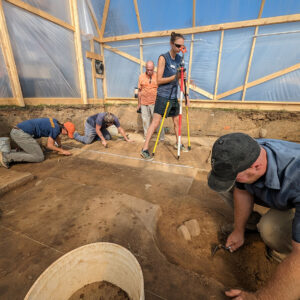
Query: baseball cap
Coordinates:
[231,153]
[70,127]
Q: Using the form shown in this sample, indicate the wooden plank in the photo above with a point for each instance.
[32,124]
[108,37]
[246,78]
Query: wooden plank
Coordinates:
[252,51]
[194,13]
[141,56]
[104,85]
[8,101]
[99,76]
[78,50]
[9,59]
[201,91]
[104,17]
[95,22]
[93,71]
[137,15]
[96,101]
[260,80]
[207,28]
[219,63]
[190,64]
[52,101]
[124,54]
[93,55]
[41,13]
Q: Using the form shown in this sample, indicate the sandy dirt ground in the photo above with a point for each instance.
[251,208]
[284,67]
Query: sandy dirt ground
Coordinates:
[111,195]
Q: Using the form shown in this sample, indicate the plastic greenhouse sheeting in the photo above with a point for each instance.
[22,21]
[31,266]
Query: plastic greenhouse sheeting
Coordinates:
[5,90]
[284,88]
[121,75]
[57,8]
[44,54]
[121,18]
[235,57]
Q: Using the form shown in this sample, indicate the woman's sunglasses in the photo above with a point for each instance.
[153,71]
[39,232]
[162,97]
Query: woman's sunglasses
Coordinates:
[178,46]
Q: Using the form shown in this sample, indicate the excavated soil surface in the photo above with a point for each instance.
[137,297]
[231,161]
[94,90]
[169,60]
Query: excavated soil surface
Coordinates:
[110,195]
[100,290]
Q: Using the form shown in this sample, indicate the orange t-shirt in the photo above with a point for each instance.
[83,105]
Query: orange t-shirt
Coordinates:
[148,90]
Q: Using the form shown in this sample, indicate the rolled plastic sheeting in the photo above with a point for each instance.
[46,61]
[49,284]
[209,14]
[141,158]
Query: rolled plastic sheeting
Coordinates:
[5,90]
[88,264]
[44,54]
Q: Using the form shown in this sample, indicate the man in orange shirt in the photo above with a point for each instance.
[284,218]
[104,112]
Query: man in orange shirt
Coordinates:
[147,96]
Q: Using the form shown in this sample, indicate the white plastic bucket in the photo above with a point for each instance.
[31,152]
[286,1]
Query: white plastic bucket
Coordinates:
[4,144]
[88,264]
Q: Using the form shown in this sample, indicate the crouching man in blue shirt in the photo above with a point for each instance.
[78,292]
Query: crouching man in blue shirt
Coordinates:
[266,172]
[25,135]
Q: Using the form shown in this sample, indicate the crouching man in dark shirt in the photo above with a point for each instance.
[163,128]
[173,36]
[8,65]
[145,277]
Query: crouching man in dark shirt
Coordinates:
[25,135]
[266,172]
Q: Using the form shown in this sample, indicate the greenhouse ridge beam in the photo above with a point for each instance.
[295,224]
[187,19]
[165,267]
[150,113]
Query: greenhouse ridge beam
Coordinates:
[252,51]
[200,29]
[41,13]
[9,59]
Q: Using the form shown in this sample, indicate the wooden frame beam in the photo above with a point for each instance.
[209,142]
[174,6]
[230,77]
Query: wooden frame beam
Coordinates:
[140,31]
[41,13]
[78,50]
[95,92]
[9,60]
[252,51]
[104,85]
[104,17]
[219,63]
[200,29]
[93,55]
[260,80]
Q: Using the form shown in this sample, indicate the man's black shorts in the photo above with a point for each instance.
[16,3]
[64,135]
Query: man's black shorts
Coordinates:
[160,106]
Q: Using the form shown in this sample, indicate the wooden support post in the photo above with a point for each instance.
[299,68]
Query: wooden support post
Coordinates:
[93,71]
[218,67]
[104,17]
[104,85]
[78,50]
[9,59]
[252,51]
[191,49]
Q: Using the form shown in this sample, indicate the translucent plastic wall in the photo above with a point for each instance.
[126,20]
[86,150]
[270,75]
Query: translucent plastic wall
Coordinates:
[44,54]
[5,90]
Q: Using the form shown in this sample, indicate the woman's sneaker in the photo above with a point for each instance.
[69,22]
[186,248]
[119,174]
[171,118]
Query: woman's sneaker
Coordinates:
[182,148]
[146,155]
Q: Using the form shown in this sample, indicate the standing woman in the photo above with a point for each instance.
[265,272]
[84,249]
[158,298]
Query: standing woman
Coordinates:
[167,80]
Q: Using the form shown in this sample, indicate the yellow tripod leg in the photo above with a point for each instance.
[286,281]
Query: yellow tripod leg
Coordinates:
[160,128]
[188,127]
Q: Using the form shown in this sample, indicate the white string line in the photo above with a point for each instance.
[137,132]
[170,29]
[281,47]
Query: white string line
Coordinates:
[33,240]
[141,159]
[160,297]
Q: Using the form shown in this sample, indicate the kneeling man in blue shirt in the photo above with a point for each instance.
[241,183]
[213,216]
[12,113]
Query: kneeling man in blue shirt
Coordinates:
[25,135]
[266,172]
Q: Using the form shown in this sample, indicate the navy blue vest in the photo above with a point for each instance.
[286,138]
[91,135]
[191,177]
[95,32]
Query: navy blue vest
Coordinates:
[171,67]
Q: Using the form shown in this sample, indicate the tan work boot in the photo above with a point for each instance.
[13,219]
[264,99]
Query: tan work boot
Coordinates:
[3,161]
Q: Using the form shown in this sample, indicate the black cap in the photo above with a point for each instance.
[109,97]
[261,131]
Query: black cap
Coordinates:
[231,153]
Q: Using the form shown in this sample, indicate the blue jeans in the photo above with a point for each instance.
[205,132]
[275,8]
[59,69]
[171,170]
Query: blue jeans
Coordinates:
[90,134]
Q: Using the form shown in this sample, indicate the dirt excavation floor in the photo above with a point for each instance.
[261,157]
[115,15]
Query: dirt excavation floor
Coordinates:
[111,195]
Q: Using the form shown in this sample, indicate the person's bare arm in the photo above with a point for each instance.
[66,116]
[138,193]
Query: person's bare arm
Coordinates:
[99,133]
[243,206]
[284,284]
[160,71]
[51,146]
[58,141]
[122,131]
[139,98]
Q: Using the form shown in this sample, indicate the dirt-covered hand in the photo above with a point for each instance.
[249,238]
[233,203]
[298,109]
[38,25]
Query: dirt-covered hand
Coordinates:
[65,152]
[240,295]
[104,143]
[235,240]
